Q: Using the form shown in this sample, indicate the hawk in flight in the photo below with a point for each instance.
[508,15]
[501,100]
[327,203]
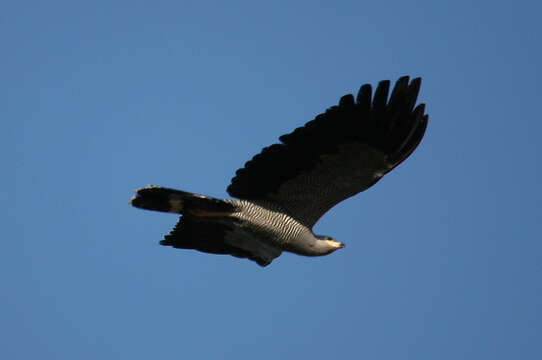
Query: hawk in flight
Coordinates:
[286,188]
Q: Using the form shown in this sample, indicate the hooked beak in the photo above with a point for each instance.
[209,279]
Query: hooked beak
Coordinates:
[335,244]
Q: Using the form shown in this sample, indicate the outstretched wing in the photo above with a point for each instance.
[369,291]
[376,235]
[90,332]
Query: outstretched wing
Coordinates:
[219,238]
[338,154]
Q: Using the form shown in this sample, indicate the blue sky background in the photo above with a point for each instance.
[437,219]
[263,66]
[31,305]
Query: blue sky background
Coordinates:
[443,256]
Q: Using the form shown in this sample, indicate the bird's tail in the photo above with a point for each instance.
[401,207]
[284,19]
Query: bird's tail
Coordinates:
[163,199]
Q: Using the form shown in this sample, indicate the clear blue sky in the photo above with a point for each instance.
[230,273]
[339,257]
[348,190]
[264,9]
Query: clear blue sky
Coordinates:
[443,256]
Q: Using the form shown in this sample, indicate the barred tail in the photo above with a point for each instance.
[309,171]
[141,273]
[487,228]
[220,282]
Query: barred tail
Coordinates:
[159,198]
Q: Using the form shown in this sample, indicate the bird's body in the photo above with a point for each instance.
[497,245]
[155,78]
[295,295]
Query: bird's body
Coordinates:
[277,228]
[286,188]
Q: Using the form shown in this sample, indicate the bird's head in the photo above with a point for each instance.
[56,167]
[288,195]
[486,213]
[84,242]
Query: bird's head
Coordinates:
[329,243]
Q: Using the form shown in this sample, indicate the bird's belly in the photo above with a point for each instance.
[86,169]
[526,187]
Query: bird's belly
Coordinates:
[272,226]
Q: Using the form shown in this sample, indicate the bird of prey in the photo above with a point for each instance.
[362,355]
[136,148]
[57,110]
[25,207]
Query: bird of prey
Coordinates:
[286,188]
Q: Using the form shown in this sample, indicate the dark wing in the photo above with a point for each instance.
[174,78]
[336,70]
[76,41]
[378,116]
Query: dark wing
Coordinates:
[218,238]
[338,154]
